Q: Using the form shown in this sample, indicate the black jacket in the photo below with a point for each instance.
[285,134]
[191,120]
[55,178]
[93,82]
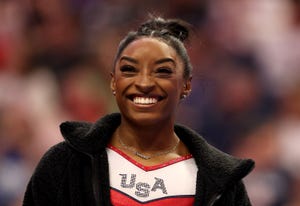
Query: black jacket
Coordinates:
[75,172]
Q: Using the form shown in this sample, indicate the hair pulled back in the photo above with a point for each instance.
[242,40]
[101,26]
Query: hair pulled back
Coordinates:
[171,31]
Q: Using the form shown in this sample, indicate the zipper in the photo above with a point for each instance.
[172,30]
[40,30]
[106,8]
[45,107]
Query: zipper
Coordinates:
[94,174]
[94,180]
[214,199]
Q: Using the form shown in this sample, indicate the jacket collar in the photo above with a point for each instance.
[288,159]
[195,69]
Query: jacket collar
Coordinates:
[220,170]
[223,169]
[90,138]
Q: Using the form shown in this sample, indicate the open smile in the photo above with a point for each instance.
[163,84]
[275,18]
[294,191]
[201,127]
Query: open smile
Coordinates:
[145,99]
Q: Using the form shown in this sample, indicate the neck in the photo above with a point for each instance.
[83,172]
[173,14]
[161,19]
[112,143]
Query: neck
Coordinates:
[147,138]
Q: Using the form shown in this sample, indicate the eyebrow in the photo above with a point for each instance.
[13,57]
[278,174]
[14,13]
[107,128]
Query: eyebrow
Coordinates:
[126,58]
[160,61]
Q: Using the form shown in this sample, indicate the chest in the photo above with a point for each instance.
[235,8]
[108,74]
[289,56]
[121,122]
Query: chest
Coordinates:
[133,184]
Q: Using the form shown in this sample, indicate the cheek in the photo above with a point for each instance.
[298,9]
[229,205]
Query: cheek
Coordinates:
[180,81]
[175,88]
[122,83]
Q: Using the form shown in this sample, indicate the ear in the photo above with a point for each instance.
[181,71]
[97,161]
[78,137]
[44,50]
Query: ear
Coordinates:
[187,88]
[113,82]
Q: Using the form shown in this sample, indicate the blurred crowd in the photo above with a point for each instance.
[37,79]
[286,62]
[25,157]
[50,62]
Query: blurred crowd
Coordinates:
[55,63]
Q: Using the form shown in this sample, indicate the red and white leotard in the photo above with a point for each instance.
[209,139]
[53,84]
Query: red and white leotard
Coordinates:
[171,183]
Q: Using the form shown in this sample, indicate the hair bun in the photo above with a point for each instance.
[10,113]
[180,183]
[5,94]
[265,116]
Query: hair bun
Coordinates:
[161,27]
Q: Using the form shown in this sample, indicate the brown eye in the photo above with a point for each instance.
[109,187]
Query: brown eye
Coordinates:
[164,71]
[127,69]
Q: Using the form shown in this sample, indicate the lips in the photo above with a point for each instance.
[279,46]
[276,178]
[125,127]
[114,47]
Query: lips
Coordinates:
[145,99]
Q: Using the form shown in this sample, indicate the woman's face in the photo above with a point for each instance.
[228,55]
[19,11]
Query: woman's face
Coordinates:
[148,81]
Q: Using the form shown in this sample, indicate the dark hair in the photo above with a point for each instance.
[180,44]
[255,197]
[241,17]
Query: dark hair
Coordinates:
[172,31]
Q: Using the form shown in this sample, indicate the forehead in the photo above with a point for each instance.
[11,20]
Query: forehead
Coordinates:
[149,48]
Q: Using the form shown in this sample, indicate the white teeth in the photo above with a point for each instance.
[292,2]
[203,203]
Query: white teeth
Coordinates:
[144,100]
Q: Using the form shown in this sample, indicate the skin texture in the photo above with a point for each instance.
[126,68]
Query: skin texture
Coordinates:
[149,67]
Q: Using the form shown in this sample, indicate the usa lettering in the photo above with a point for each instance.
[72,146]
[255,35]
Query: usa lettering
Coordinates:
[142,189]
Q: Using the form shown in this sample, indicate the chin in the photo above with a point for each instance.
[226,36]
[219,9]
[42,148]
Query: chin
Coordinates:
[148,119]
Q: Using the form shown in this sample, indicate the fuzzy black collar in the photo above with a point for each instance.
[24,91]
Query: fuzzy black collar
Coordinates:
[93,138]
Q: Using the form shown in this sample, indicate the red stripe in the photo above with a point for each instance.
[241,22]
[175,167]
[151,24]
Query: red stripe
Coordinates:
[119,199]
[149,168]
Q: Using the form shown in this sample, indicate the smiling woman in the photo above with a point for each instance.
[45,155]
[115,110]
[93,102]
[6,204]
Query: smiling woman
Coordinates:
[149,70]
[140,156]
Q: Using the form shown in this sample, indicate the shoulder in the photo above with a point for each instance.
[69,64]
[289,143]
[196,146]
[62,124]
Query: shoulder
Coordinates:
[57,152]
[215,162]
[48,178]
[54,161]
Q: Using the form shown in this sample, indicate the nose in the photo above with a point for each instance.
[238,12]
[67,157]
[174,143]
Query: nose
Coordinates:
[144,83]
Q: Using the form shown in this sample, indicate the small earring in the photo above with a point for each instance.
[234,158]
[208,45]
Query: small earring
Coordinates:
[114,93]
[183,96]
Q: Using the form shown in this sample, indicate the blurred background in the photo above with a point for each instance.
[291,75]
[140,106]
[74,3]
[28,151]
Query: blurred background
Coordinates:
[56,56]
